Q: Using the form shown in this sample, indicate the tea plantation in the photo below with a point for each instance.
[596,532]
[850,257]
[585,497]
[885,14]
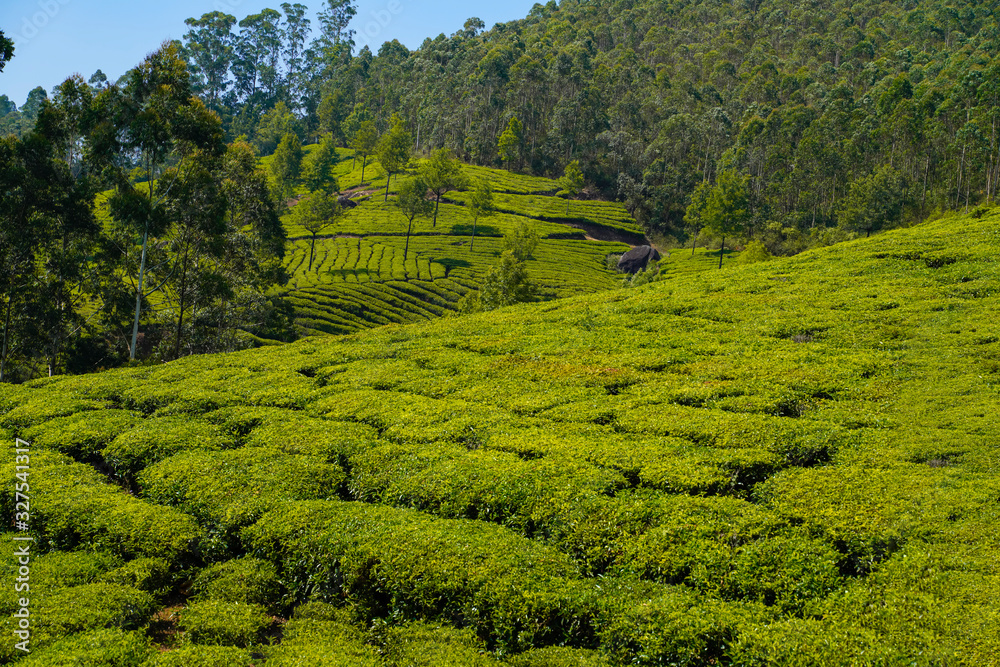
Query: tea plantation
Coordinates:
[359,279]
[794,462]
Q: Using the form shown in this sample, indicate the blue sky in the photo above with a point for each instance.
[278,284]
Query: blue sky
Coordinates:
[56,38]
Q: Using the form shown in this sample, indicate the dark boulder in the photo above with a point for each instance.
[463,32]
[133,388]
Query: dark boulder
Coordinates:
[346,202]
[636,259]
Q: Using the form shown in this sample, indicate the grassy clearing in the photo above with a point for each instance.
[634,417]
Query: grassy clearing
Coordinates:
[792,462]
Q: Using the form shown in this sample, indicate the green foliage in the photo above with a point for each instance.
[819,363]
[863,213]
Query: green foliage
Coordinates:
[506,283]
[155,439]
[754,252]
[223,623]
[317,167]
[86,607]
[364,141]
[723,209]
[874,203]
[255,480]
[6,50]
[785,462]
[511,142]
[82,435]
[151,575]
[203,656]
[286,166]
[246,580]
[274,126]
[521,242]
[393,149]
[441,173]
[309,642]
[109,647]
[558,656]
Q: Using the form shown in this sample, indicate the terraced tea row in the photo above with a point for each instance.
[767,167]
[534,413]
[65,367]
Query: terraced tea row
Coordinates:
[445,261]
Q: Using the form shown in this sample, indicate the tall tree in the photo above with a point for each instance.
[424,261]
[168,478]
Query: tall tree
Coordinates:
[334,19]
[274,126]
[316,213]
[480,205]
[210,43]
[442,172]
[571,181]
[295,32]
[286,166]
[154,117]
[197,236]
[393,150]
[412,201]
[258,56]
[511,144]
[364,142]
[725,209]
[317,167]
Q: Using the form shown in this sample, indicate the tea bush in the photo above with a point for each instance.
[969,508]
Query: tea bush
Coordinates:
[157,438]
[216,622]
[231,489]
[788,462]
[83,435]
[203,656]
[108,647]
[246,580]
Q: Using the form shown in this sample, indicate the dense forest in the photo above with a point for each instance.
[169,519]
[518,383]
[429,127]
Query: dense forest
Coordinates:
[834,113]
[843,114]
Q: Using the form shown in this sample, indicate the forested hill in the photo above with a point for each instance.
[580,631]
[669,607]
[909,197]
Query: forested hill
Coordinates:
[857,114]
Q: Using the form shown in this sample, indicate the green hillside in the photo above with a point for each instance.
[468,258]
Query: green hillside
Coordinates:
[359,280]
[793,462]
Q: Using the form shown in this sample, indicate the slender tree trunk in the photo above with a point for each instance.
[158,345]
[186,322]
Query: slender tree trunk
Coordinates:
[138,293]
[180,315]
[364,163]
[923,195]
[437,203]
[406,249]
[721,249]
[388,178]
[694,242]
[6,330]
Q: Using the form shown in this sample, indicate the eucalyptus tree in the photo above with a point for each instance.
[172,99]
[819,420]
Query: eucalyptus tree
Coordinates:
[47,231]
[412,201]
[364,141]
[442,172]
[481,205]
[295,32]
[317,167]
[210,45]
[286,166]
[393,150]
[140,128]
[257,59]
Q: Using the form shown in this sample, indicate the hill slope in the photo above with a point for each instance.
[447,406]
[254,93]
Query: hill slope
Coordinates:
[359,280]
[793,462]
